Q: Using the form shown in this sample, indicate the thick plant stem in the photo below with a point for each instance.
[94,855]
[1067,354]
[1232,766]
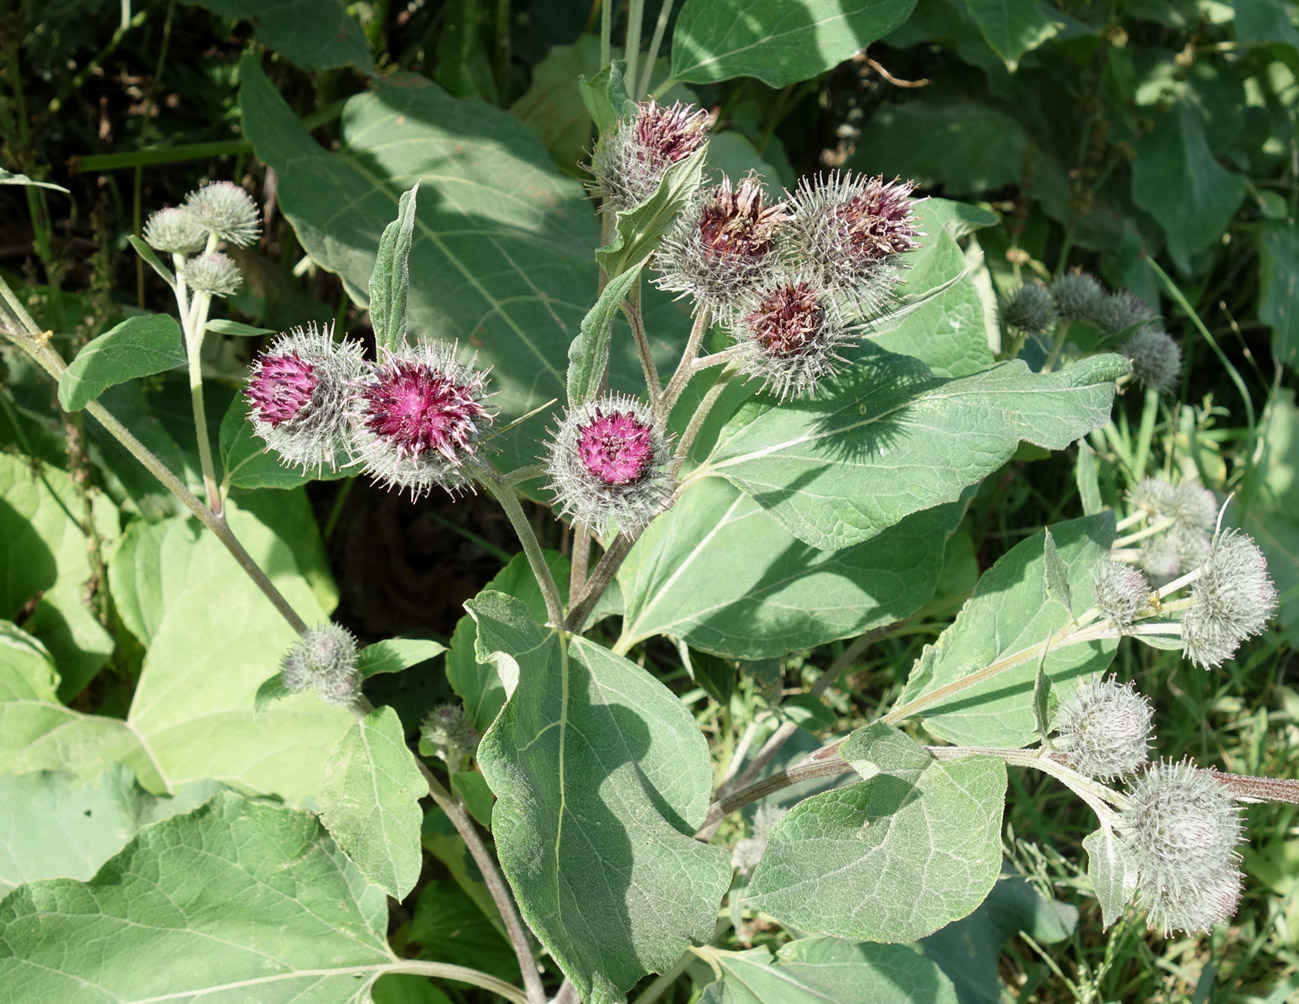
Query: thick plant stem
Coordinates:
[581,560]
[599,581]
[685,368]
[492,877]
[463,974]
[632,309]
[698,418]
[509,501]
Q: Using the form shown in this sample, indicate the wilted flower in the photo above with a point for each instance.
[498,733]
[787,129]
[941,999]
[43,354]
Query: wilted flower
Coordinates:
[850,229]
[1181,830]
[1103,728]
[1076,295]
[1156,359]
[226,210]
[628,165]
[324,660]
[608,464]
[176,231]
[1122,592]
[297,396]
[416,418]
[789,333]
[1030,310]
[215,274]
[722,247]
[1232,599]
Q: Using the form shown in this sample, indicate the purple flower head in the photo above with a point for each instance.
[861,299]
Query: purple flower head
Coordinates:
[788,334]
[418,416]
[629,163]
[736,224]
[297,393]
[876,219]
[608,464]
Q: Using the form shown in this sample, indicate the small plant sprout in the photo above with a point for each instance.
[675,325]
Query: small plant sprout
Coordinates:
[1122,592]
[629,164]
[788,334]
[215,274]
[176,231]
[608,464]
[1103,729]
[721,248]
[323,660]
[297,394]
[850,230]
[1076,295]
[1156,358]
[416,419]
[1029,310]
[1180,829]
[227,212]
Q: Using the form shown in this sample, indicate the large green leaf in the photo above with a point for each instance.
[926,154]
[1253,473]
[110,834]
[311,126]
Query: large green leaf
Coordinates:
[1012,27]
[778,41]
[892,858]
[370,802]
[27,670]
[1272,506]
[601,777]
[234,903]
[1012,610]
[890,439]
[827,971]
[139,346]
[59,827]
[313,34]
[553,107]
[1177,179]
[501,257]
[778,594]
[1278,287]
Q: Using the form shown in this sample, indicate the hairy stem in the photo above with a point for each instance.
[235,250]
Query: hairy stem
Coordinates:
[685,368]
[631,307]
[448,971]
[509,501]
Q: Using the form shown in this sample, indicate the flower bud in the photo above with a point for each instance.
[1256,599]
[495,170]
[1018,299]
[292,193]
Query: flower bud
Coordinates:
[1116,312]
[176,231]
[1103,728]
[448,734]
[1122,592]
[297,396]
[324,660]
[849,230]
[1181,830]
[226,210]
[1233,599]
[416,418]
[789,333]
[215,274]
[628,165]
[1156,359]
[1153,495]
[608,464]
[1030,310]
[1076,295]
[721,248]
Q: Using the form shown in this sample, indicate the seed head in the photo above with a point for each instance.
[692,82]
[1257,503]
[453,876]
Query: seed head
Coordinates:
[789,333]
[175,230]
[324,660]
[1156,359]
[1030,310]
[1233,599]
[849,230]
[1116,312]
[721,248]
[608,464]
[628,165]
[1122,592]
[1181,830]
[215,274]
[1103,728]
[225,209]
[416,418]
[297,396]
[1076,295]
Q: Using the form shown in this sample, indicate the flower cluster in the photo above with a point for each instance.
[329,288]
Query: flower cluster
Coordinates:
[1188,513]
[413,419]
[221,211]
[1180,830]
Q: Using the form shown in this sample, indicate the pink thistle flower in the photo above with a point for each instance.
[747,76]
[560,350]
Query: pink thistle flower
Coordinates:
[417,419]
[629,163]
[608,464]
[789,333]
